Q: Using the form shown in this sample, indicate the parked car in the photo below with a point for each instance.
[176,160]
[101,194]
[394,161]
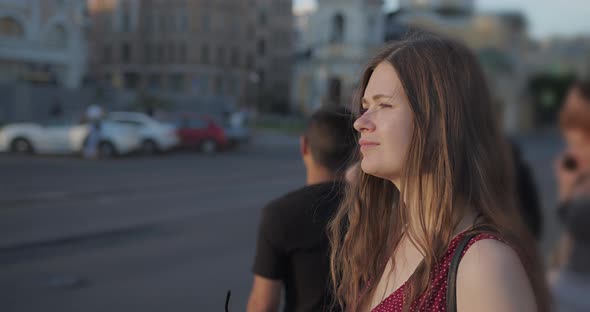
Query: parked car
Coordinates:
[202,132]
[235,129]
[67,138]
[237,135]
[156,136]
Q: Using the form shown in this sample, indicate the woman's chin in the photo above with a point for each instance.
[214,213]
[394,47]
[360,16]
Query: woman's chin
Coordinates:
[376,171]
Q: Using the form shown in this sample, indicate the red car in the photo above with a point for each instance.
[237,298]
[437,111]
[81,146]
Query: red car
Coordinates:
[201,132]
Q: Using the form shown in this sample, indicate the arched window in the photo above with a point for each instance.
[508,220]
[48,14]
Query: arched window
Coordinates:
[10,27]
[338,24]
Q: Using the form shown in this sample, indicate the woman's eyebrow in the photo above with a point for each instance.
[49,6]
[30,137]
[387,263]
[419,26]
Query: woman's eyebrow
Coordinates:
[377,97]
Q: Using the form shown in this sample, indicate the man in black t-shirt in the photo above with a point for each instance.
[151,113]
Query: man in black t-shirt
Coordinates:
[292,250]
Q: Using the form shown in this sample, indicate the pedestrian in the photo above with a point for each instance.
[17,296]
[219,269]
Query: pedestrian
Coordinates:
[435,188]
[94,114]
[292,247]
[570,278]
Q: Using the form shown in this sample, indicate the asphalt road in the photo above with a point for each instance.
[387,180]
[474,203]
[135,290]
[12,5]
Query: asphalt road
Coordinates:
[168,233]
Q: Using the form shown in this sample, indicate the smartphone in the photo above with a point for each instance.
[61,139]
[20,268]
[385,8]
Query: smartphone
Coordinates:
[570,163]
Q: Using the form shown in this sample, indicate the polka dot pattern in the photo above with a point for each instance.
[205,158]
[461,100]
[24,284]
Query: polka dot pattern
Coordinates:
[434,300]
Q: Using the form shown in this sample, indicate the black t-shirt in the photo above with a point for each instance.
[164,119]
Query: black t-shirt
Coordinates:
[293,245]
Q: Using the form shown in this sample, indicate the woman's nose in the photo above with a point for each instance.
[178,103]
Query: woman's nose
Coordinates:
[364,124]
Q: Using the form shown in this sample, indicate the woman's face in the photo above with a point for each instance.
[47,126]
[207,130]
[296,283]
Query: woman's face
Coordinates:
[385,125]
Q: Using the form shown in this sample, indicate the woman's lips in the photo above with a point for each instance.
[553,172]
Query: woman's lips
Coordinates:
[367,144]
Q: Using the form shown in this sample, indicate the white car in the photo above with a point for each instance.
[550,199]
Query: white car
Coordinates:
[156,136]
[67,138]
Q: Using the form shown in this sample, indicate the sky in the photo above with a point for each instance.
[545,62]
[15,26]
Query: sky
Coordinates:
[546,18]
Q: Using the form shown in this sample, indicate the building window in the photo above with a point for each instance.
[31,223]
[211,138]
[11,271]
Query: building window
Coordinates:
[162,23]
[206,23]
[131,80]
[126,53]
[232,86]
[205,54]
[261,47]
[249,61]
[147,53]
[171,23]
[235,57]
[251,33]
[154,23]
[108,78]
[204,84]
[155,82]
[147,24]
[10,27]
[262,17]
[159,58]
[177,82]
[220,56]
[171,53]
[125,23]
[261,78]
[338,24]
[107,54]
[218,85]
[182,22]
[195,84]
[182,53]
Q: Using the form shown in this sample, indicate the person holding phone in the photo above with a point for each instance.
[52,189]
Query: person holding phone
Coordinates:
[571,277]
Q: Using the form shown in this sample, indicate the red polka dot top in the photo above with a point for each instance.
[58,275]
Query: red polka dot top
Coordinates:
[436,300]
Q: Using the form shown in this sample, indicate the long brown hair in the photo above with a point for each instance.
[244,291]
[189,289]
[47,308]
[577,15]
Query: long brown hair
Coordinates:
[456,150]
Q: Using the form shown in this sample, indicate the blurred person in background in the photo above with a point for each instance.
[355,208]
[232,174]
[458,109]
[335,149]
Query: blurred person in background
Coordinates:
[435,186]
[94,114]
[292,247]
[570,277]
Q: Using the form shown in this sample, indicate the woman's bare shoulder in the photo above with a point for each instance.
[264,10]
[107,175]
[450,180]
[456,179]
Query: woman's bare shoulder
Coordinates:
[491,277]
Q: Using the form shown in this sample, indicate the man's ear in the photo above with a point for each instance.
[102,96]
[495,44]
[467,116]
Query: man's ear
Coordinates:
[303,146]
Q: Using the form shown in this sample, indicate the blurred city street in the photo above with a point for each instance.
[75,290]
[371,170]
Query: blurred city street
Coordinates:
[170,233]
[164,233]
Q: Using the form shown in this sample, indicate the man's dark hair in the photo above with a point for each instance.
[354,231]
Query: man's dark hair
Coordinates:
[331,138]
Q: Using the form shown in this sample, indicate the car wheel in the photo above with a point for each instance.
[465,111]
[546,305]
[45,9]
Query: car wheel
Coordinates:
[208,146]
[149,147]
[21,146]
[106,150]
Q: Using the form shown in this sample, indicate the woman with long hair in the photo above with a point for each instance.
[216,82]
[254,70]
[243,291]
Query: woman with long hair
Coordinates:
[435,171]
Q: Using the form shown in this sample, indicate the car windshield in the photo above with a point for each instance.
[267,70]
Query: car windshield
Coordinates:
[61,122]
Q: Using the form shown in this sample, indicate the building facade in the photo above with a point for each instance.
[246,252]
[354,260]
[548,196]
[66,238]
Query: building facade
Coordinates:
[43,41]
[234,52]
[336,43]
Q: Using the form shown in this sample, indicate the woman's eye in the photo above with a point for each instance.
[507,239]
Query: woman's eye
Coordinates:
[385,105]
[363,110]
